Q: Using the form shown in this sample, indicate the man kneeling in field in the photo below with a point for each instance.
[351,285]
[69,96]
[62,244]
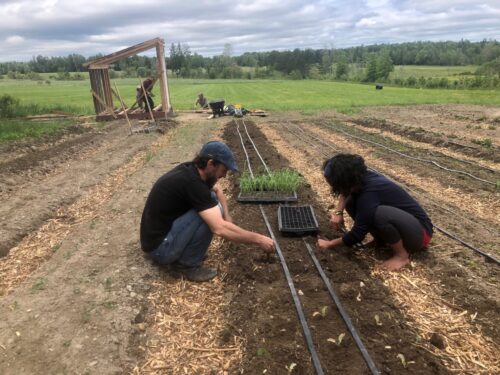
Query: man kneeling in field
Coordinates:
[184,209]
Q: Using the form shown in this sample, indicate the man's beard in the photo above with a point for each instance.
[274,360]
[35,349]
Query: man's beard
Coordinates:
[211,180]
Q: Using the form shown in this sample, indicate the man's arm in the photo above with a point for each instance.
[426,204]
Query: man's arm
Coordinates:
[232,232]
[223,201]
[328,244]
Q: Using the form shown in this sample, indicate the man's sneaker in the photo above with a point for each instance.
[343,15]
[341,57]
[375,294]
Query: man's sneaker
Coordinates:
[198,274]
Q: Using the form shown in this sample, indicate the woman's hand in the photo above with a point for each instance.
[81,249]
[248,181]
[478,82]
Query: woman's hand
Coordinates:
[337,220]
[324,244]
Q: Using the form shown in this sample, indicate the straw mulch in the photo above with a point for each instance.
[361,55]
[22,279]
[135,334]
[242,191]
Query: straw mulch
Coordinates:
[189,332]
[38,247]
[467,350]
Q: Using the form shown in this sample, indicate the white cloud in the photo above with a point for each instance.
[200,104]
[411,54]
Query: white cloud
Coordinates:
[57,27]
[14,39]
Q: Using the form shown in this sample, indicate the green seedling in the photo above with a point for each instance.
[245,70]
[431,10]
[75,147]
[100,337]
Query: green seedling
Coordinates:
[338,341]
[262,352]
[285,180]
[403,360]
[39,284]
[290,367]
[322,312]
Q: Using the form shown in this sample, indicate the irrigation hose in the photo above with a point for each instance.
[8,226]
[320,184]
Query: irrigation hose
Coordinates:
[366,356]
[244,149]
[423,160]
[296,300]
[255,148]
[450,235]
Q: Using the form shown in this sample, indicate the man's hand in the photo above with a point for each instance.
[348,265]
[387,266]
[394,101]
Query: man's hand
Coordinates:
[337,221]
[267,244]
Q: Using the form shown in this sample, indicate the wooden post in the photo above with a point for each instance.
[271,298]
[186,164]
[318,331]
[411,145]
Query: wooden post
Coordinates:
[162,74]
[110,110]
[147,102]
[123,107]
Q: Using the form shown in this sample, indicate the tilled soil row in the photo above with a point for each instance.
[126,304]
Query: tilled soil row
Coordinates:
[57,177]
[264,311]
[465,280]
[421,135]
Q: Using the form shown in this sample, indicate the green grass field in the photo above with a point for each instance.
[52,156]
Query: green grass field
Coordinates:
[271,95]
[450,72]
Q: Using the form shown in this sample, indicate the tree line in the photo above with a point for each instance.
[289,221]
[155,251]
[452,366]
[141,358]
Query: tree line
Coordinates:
[372,63]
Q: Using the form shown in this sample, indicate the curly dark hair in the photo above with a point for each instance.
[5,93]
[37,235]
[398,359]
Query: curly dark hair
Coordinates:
[344,173]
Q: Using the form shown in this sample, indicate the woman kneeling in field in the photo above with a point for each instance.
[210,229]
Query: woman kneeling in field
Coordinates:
[378,206]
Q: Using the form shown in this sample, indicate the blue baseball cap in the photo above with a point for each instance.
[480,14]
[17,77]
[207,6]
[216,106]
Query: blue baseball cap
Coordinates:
[220,152]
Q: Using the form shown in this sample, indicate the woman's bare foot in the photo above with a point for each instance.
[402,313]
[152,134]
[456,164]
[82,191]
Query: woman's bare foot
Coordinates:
[396,262]
[399,259]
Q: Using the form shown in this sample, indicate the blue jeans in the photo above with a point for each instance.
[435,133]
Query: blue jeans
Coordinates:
[187,242]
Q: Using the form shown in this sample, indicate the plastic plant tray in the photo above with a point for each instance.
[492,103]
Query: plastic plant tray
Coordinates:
[297,220]
[267,197]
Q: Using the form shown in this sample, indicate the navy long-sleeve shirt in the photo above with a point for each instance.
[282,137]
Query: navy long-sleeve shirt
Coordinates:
[376,191]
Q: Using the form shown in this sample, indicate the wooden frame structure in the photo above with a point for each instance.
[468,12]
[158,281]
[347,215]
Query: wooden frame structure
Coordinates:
[102,92]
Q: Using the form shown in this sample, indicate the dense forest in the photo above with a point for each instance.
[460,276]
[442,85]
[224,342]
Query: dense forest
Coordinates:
[372,63]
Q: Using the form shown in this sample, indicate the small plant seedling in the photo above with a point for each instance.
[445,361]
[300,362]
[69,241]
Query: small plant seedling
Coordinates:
[39,284]
[403,360]
[337,341]
[377,320]
[322,312]
[290,367]
[262,352]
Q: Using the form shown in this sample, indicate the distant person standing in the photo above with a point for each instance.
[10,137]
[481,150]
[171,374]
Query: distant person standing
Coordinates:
[142,96]
[377,206]
[202,101]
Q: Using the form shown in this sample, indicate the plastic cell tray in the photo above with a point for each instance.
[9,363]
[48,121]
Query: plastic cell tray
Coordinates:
[298,220]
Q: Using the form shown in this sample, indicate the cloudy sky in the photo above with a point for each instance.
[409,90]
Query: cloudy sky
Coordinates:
[60,27]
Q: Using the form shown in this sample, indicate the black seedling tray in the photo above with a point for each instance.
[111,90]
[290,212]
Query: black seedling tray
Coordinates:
[298,220]
[267,197]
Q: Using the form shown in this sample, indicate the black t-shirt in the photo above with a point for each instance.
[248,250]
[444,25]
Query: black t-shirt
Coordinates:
[378,190]
[174,194]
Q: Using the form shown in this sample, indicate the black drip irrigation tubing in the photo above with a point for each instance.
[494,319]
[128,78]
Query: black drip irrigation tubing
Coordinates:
[343,313]
[296,300]
[468,161]
[448,234]
[423,160]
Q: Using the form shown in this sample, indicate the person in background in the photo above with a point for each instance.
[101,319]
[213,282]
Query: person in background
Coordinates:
[141,96]
[202,101]
[185,208]
[377,206]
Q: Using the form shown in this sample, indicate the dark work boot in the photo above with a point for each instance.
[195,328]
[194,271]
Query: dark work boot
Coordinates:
[198,274]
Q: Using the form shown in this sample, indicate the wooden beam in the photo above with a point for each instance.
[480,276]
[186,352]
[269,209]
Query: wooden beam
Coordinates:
[103,103]
[162,74]
[130,51]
